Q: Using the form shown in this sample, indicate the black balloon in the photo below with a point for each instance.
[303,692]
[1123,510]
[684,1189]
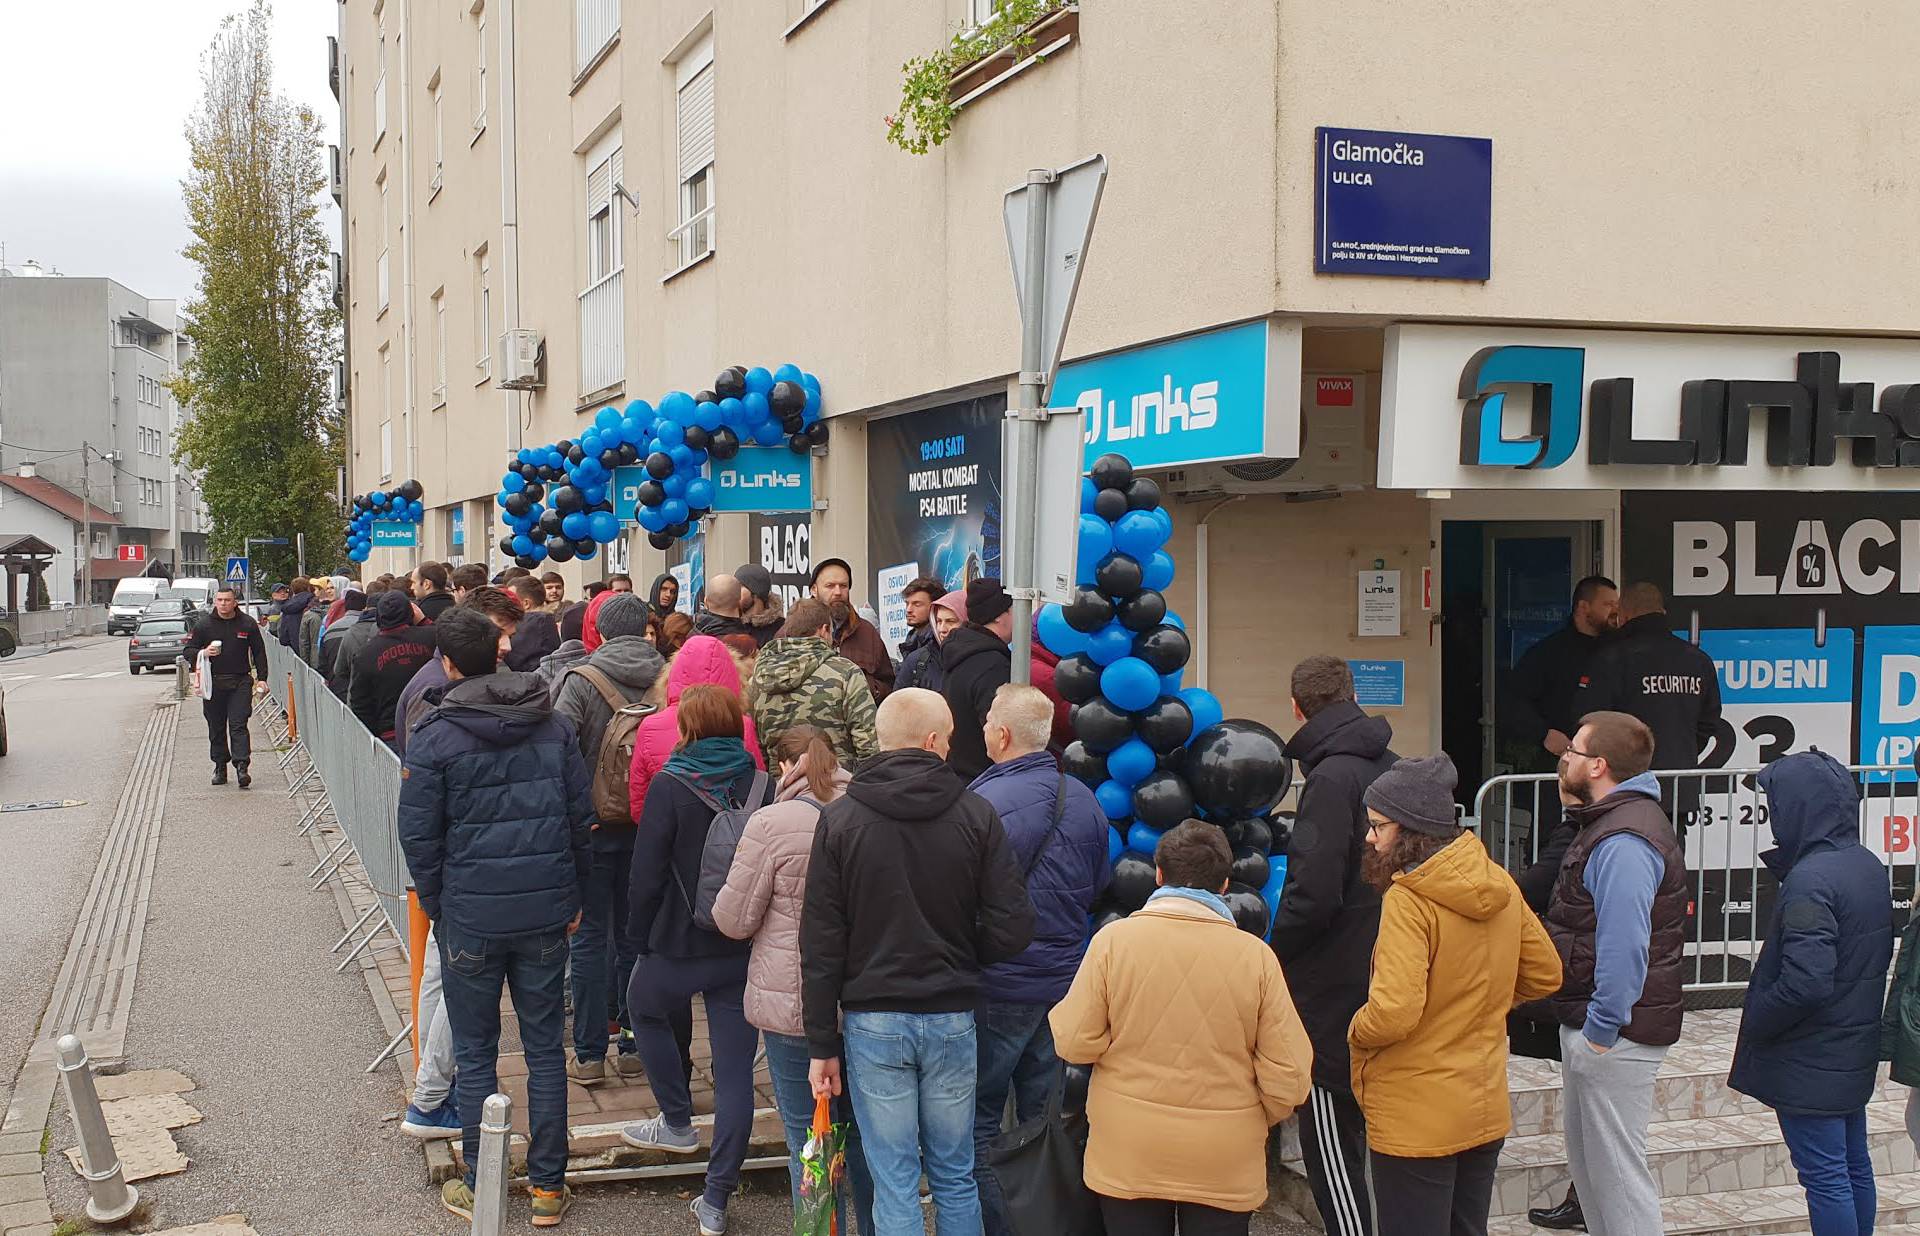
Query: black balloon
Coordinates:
[535,492]
[550,521]
[787,398]
[629,453]
[506,545]
[1282,826]
[1110,504]
[725,445]
[1143,611]
[1166,648]
[1257,834]
[650,493]
[1166,724]
[577,455]
[676,531]
[1172,761]
[360,501]
[698,439]
[1162,800]
[584,545]
[1111,471]
[524,560]
[1077,761]
[411,490]
[563,446]
[1119,576]
[798,444]
[731,383]
[1100,725]
[659,540]
[1133,881]
[1250,866]
[817,433]
[1088,611]
[660,465]
[610,458]
[567,499]
[1077,678]
[527,472]
[517,505]
[1143,494]
[1238,768]
[707,397]
[1249,909]
[1235,831]
[559,549]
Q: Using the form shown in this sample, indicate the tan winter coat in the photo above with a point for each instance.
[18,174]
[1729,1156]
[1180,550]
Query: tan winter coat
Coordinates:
[1197,1052]
[763,894]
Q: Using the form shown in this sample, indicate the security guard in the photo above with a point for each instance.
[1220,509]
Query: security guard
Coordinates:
[1548,676]
[1650,673]
[229,705]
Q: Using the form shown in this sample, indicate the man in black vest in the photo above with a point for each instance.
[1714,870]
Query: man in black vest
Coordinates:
[1619,920]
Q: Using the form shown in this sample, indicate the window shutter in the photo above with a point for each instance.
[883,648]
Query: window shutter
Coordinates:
[599,187]
[696,123]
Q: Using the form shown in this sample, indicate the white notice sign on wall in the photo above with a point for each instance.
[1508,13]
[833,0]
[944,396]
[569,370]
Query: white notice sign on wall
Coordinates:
[1379,603]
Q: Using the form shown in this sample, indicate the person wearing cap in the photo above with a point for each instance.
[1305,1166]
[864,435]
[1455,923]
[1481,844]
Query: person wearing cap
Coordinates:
[280,594]
[1458,948]
[978,662]
[761,608]
[853,637]
[383,668]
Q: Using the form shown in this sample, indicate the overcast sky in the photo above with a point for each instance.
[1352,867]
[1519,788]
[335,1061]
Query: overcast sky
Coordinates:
[94,99]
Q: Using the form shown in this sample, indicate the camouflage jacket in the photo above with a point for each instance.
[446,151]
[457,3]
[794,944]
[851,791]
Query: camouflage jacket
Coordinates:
[801,680]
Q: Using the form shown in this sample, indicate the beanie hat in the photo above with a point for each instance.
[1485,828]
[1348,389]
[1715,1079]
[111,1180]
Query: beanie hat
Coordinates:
[986,600]
[572,619]
[954,602]
[1417,793]
[755,579]
[621,614]
[355,600]
[393,609]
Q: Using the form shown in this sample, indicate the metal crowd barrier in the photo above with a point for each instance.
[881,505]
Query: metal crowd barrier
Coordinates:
[1721,815]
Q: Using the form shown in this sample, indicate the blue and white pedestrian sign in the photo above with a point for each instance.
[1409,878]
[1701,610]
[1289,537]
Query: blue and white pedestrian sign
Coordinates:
[236,571]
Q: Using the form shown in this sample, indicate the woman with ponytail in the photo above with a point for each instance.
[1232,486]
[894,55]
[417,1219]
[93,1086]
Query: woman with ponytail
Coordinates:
[762,902]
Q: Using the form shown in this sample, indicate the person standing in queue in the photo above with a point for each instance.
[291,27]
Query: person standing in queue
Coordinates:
[853,637]
[234,642]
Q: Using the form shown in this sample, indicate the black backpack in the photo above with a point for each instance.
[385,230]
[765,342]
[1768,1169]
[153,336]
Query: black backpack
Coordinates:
[723,841]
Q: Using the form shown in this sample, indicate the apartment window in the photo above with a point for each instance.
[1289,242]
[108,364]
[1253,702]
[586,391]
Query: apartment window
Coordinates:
[439,347]
[386,448]
[982,11]
[385,223]
[386,412]
[693,108]
[595,23]
[605,170]
[479,68]
[438,97]
[483,314]
[380,90]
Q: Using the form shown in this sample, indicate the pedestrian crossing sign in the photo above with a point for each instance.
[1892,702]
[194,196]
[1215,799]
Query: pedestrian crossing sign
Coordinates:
[236,570]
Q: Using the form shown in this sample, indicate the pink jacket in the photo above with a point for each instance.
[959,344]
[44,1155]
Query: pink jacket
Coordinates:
[763,895]
[704,661]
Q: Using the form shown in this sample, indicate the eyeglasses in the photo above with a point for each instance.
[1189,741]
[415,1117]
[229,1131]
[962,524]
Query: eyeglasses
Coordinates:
[1585,755]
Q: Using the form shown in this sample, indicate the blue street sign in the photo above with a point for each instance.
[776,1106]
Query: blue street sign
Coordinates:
[1415,205]
[763,479]
[393,533]
[236,570]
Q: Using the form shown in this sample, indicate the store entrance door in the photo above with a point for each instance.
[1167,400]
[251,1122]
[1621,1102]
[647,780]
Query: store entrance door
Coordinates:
[1506,584]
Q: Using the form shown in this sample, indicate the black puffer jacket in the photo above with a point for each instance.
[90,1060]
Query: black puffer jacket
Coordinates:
[1324,931]
[978,663]
[1649,672]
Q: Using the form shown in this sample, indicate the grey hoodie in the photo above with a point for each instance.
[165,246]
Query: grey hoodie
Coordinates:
[633,664]
[557,662]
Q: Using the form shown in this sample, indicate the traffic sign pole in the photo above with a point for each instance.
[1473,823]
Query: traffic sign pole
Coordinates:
[1024,427]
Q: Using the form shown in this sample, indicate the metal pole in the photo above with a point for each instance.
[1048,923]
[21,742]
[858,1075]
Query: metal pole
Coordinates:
[1026,424]
[86,530]
[490,1173]
[300,552]
[109,1197]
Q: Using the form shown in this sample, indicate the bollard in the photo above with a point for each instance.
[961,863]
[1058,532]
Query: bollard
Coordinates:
[418,924]
[490,1173]
[109,1197]
[181,686]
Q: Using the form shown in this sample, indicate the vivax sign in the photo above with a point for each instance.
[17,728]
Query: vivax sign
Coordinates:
[1477,407]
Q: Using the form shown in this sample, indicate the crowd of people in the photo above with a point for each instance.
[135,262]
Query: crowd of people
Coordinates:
[876,869]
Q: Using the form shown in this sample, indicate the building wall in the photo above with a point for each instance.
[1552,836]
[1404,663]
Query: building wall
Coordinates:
[21,514]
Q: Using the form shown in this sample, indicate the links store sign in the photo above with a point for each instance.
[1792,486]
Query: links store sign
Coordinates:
[1513,408]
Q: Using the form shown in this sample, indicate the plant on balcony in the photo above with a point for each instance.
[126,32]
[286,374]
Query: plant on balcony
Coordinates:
[925,116]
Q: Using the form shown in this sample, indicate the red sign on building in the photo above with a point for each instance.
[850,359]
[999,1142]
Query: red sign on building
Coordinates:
[133,553]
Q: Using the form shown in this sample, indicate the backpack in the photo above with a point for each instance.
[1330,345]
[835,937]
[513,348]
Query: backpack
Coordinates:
[613,763]
[723,841]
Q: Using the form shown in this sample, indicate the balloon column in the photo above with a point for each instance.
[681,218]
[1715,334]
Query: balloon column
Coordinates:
[1155,753]
[401,504]
[555,500]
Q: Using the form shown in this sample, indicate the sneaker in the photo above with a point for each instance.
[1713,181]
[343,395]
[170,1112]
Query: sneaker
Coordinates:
[457,1198]
[244,777]
[586,1072]
[440,1123]
[712,1221]
[655,1134]
[550,1206]
[627,1064]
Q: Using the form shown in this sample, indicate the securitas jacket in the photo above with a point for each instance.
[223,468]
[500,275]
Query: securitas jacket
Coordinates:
[911,890]
[1649,672]
[1810,1036]
[495,810]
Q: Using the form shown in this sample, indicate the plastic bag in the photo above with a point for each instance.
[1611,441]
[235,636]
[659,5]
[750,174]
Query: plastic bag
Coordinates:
[823,1169]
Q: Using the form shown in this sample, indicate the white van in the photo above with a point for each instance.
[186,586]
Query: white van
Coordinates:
[131,596]
[198,589]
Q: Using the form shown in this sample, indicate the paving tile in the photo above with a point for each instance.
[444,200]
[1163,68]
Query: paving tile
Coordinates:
[17,1189]
[19,1164]
[24,1214]
[143,1082]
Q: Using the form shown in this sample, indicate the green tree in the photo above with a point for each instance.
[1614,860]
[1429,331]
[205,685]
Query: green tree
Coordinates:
[264,433]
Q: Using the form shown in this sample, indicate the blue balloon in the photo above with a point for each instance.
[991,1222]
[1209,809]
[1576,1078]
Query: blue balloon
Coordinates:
[1205,707]
[602,526]
[707,416]
[759,381]
[512,483]
[1276,884]
[1143,839]
[810,382]
[1165,517]
[682,456]
[359,555]
[699,460]
[693,530]
[1157,571]
[1088,492]
[654,446]
[381,499]
[754,408]
[524,455]
[675,510]
[1130,762]
[539,553]
[595,494]
[733,414]
[699,493]
[556,460]
[1116,844]
[677,406]
[590,443]
[574,526]
[650,518]
[642,411]
[672,434]
[607,418]
[1138,534]
[1129,684]
[770,434]
[674,484]
[522,544]
[634,431]
[1170,683]
[788,372]
[1109,644]
[1096,542]
[811,412]
[1059,638]
[1174,620]
[1115,799]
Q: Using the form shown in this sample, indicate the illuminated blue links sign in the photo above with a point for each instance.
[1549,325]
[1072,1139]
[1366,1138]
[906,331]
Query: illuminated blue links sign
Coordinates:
[764,480]
[394,533]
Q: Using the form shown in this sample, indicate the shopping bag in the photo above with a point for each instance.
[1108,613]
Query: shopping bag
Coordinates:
[823,1166]
[1041,1167]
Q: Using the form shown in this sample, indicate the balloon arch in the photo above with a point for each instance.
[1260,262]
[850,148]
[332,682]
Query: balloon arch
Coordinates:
[401,504]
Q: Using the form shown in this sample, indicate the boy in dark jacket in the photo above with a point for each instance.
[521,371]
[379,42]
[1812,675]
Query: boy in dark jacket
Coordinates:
[382,669]
[1324,930]
[1058,836]
[1809,1043]
[911,890]
[495,813]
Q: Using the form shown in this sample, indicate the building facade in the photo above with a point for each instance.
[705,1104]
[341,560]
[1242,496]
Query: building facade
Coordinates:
[85,367]
[657,191]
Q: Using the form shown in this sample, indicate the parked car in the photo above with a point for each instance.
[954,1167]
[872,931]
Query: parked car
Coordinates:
[130,596]
[196,588]
[170,607]
[156,642]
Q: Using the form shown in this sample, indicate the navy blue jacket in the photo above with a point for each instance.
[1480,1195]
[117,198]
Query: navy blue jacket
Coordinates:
[496,809]
[1810,1037]
[1062,880]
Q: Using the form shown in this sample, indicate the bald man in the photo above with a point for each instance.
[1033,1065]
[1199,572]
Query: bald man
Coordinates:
[912,890]
[1648,672]
[719,616]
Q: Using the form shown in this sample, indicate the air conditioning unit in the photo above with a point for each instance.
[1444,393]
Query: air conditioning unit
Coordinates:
[340,385]
[521,354]
[1335,455]
[336,181]
[339,281]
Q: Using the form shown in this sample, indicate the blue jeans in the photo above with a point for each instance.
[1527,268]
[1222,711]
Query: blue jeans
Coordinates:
[602,948]
[1016,1053]
[663,985]
[533,969]
[912,1078]
[1830,1155]
[787,1060]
